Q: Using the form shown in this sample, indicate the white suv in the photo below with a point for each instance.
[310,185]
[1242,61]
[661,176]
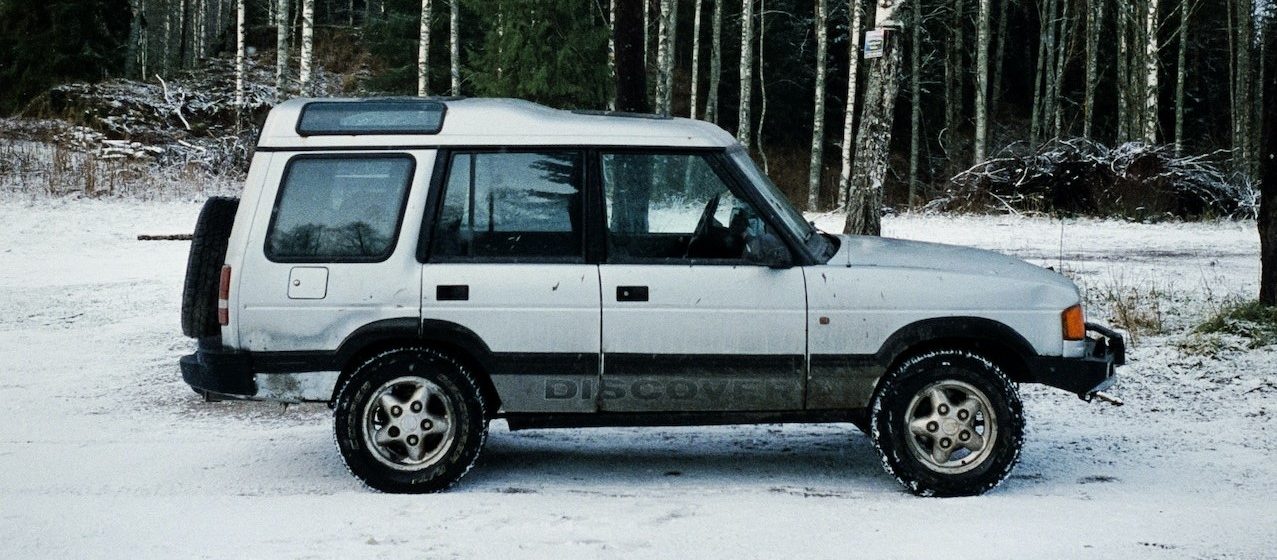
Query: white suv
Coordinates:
[427,265]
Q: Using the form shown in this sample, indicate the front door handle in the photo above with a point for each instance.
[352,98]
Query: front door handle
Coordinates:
[631,293]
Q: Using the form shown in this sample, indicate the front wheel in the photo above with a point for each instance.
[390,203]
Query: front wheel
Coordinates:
[410,420]
[947,423]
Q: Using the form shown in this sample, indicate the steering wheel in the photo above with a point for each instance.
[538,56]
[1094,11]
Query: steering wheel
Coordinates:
[703,225]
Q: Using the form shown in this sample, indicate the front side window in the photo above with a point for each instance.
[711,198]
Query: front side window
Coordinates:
[663,207]
[511,205]
[339,208]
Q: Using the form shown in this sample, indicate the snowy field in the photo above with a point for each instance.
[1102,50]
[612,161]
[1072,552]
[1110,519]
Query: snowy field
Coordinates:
[105,453]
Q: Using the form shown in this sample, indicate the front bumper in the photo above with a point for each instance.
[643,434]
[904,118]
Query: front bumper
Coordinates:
[1095,370]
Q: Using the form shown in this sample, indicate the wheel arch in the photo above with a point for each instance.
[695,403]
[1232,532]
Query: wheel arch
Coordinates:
[992,339]
[455,340]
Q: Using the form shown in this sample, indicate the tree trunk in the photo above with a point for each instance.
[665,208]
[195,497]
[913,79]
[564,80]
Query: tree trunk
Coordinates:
[762,85]
[1243,154]
[611,51]
[308,47]
[135,38]
[715,64]
[696,58]
[1268,168]
[166,59]
[454,42]
[1040,78]
[849,113]
[1061,64]
[1181,73]
[664,57]
[423,50]
[915,103]
[818,113]
[1094,25]
[746,71]
[281,50]
[631,72]
[239,54]
[982,83]
[1123,73]
[1150,77]
[864,215]
[953,71]
[1000,56]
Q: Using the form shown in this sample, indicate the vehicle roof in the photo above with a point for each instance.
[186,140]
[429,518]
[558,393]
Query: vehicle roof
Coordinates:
[505,122]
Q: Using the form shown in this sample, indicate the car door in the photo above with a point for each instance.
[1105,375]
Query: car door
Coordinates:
[333,255]
[506,264]
[690,321]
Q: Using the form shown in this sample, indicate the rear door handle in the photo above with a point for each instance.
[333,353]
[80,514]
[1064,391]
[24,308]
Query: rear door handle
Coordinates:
[452,293]
[631,293]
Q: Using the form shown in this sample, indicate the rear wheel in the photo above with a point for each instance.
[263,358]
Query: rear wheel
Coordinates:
[410,420]
[947,423]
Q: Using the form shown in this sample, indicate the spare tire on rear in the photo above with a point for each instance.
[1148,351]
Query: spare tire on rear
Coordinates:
[204,265]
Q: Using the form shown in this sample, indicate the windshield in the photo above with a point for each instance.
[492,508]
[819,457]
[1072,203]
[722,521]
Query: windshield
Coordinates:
[793,219]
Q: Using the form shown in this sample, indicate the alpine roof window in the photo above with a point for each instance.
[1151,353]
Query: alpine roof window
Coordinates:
[371,117]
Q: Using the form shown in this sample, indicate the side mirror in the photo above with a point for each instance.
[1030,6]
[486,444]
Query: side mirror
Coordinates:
[768,250]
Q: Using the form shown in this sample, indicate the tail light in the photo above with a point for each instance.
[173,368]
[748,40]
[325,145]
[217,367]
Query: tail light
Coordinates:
[1074,323]
[224,296]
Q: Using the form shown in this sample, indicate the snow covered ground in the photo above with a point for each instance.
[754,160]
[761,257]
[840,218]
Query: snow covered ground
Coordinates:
[104,453]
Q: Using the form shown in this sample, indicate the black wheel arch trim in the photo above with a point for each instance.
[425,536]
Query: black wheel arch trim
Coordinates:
[977,329]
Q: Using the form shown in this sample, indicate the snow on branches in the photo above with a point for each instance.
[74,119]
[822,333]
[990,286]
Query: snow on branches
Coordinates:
[1133,180]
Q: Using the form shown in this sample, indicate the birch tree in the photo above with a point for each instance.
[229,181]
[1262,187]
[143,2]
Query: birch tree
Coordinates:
[982,82]
[696,57]
[818,112]
[746,71]
[454,43]
[715,63]
[308,47]
[281,50]
[864,214]
[1123,72]
[665,56]
[1150,77]
[856,14]
[915,103]
[1181,73]
[762,85]
[423,50]
[239,54]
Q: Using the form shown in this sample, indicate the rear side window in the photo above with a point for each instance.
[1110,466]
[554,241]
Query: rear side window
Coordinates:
[339,209]
[511,206]
[371,117]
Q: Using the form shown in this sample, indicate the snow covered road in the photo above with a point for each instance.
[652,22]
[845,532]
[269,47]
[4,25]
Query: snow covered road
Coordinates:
[105,453]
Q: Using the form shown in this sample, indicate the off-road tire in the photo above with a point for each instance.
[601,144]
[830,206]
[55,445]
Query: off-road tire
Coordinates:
[204,265]
[890,418]
[459,387]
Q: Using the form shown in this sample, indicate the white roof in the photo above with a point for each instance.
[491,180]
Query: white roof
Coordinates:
[505,122]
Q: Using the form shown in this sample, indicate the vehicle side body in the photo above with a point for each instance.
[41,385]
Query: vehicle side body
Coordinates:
[551,339]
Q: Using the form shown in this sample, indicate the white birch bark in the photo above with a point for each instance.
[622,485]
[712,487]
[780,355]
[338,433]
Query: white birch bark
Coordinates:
[743,124]
[915,103]
[611,52]
[308,47]
[1123,73]
[696,59]
[815,167]
[982,83]
[1061,63]
[849,114]
[715,63]
[1150,76]
[423,50]
[864,212]
[664,57]
[1181,74]
[762,87]
[281,50]
[454,43]
[239,53]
